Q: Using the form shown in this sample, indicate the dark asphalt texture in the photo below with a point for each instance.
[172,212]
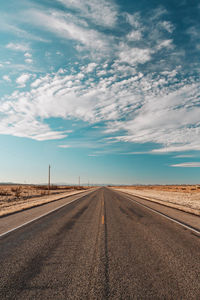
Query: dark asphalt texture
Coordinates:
[102,246]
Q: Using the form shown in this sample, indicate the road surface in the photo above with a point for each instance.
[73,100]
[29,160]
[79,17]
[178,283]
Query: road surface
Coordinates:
[101,246]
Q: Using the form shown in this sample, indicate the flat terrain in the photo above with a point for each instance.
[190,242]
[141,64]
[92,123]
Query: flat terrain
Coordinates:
[15,198]
[182,196]
[15,220]
[101,246]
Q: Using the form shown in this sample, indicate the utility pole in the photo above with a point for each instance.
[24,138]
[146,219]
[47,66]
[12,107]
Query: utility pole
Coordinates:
[79,181]
[49,178]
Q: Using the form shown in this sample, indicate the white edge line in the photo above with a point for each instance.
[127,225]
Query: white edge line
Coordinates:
[167,217]
[13,229]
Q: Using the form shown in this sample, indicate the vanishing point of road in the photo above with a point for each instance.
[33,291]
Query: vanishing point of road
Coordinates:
[101,246]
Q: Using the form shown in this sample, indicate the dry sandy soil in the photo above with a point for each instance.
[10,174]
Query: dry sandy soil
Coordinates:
[184,197]
[15,198]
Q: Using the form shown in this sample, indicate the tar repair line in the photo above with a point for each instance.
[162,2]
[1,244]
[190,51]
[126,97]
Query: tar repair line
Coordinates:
[13,229]
[165,216]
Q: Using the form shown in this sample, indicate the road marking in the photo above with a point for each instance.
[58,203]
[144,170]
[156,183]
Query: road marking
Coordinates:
[102,206]
[26,223]
[165,216]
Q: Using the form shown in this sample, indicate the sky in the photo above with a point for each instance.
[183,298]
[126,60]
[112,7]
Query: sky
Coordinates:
[105,90]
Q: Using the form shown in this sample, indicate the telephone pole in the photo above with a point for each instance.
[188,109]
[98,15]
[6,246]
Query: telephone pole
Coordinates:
[79,181]
[49,178]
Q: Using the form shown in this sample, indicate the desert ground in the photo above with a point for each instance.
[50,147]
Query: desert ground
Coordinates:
[15,198]
[184,197]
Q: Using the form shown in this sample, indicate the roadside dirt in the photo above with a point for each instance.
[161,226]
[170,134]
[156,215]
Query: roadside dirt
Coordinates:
[14,198]
[183,197]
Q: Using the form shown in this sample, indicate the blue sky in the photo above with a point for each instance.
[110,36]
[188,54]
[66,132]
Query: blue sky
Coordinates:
[105,90]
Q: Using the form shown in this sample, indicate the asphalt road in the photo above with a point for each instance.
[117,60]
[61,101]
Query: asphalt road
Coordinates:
[102,246]
[11,221]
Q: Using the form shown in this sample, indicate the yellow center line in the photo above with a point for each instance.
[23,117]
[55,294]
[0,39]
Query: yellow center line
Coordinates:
[102,220]
[102,203]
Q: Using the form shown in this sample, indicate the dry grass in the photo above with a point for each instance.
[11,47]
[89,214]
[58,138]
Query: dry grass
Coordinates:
[184,197]
[19,197]
[170,188]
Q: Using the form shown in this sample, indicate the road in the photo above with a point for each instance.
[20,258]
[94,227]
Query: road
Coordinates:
[101,246]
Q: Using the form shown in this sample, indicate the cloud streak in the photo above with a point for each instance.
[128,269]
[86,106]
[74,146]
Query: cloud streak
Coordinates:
[99,12]
[18,47]
[187,165]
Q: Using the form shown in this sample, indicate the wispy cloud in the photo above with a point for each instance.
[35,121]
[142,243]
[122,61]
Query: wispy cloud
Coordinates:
[131,80]
[183,156]
[68,27]
[150,119]
[135,153]
[64,146]
[16,124]
[18,47]
[187,165]
[100,12]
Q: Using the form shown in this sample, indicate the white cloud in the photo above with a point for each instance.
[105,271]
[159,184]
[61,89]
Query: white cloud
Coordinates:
[6,78]
[36,83]
[28,55]
[135,35]
[133,20]
[135,153]
[89,68]
[20,125]
[187,165]
[165,44]
[101,73]
[179,147]
[64,146]
[22,79]
[100,12]
[110,88]
[67,27]
[10,23]
[183,156]
[18,47]
[168,26]
[134,56]
[28,60]
[156,120]
[150,116]
[157,13]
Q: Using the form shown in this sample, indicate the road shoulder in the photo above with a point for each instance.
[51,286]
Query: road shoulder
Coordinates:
[177,214]
[16,220]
